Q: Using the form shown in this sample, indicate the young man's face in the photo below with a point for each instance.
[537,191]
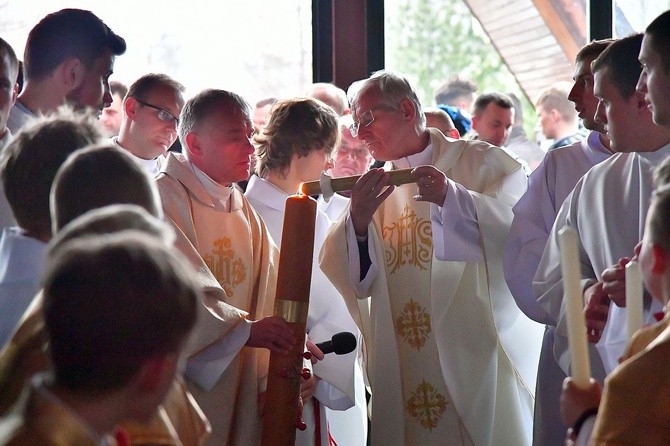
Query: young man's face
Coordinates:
[93,91]
[494,124]
[110,118]
[582,95]
[7,90]
[617,114]
[151,135]
[654,82]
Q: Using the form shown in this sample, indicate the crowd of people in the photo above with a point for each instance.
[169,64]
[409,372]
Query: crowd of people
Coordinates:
[141,233]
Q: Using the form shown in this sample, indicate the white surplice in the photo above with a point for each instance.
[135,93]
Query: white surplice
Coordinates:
[608,208]
[534,216]
[341,387]
[481,346]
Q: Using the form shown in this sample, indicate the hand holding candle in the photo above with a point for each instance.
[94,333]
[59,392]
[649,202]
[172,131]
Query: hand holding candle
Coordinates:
[634,304]
[574,307]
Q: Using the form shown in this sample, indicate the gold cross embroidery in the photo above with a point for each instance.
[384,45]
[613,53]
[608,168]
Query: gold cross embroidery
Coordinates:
[414,324]
[426,405]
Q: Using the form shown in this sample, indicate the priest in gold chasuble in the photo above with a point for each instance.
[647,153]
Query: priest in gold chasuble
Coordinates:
[450,357]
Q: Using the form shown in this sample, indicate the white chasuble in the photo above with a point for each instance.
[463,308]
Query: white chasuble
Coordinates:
[429,413]
[460,312]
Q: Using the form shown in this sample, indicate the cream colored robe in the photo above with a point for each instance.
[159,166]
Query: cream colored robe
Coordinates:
[237,249]
[475,320]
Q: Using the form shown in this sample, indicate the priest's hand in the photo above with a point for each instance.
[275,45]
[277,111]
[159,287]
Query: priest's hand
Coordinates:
[272,333]
[432,185]
[575,400]
[614,282]
[368,193]
[596,311]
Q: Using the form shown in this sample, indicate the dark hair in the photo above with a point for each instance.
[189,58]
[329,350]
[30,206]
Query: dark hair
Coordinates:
[297,126]
[454,89]
[621,57]
[483,100]
[659,31]
[30,163]
[592,49]
[141,88]
[99,176]
[110,303]
[68,33]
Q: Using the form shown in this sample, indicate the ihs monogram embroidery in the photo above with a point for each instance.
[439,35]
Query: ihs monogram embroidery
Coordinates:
[426,405]
[414,324]
[229,271]
[408,242]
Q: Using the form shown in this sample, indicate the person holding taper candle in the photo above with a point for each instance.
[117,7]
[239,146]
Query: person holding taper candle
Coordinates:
[634,406]
[296,145]
[441,328]
[608,205]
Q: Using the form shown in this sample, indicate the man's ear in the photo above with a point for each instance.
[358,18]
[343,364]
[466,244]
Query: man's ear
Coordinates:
[453,133]
[130,106]
[193,146]
[474,122]
[72,73]
[659,259]
[555,115]
[15,93]
[408,109]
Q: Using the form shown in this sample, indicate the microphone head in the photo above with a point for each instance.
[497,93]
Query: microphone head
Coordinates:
[344,343]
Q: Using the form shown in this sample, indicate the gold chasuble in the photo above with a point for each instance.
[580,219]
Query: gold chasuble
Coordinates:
[444,339]
[236,247]
[429,413]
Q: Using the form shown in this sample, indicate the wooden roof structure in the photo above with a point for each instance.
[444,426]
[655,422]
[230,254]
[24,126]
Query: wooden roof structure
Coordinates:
[537,39]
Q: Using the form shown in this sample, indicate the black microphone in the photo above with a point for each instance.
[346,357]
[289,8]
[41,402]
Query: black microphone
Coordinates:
[341,343]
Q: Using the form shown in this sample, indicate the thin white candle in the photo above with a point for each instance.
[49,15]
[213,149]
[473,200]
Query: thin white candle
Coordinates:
[574,307]
[634,304]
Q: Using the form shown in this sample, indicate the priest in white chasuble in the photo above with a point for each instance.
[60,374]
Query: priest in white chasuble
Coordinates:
[450,357]
[227,368]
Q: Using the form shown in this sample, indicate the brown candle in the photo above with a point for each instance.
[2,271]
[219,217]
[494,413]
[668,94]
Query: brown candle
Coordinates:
[291,303]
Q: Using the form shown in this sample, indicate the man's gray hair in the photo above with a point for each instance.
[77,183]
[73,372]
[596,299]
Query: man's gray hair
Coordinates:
[393,87]
[200,107]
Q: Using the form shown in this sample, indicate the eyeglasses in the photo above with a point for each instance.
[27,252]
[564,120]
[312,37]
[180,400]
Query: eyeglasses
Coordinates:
[163,114]
[366,119]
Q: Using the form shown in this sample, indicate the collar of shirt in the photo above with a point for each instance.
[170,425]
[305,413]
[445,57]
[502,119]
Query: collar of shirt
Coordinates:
[5,139]
[152,166]
[417,159]
[219,194]
[267,192]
